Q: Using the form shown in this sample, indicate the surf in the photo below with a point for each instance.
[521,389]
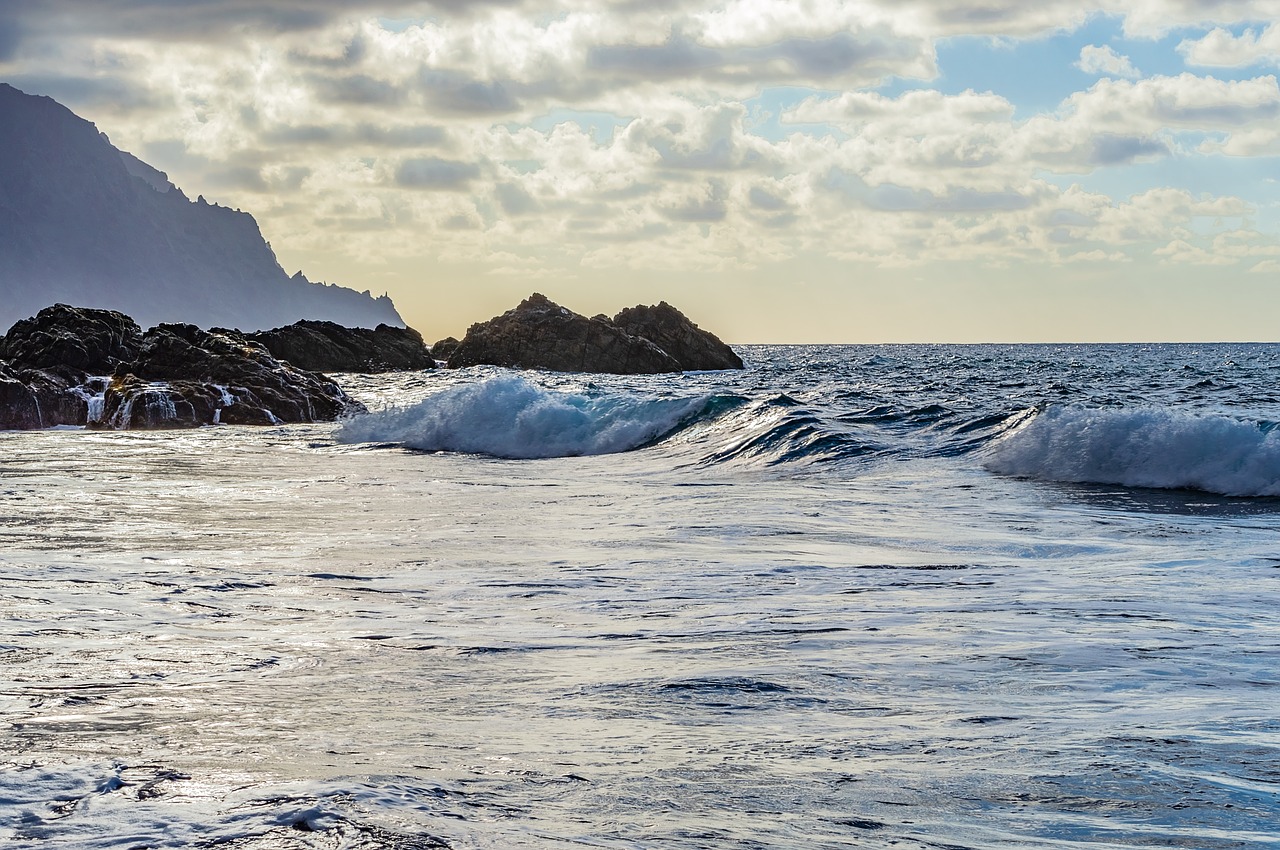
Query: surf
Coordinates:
[511,417]
[1155,447]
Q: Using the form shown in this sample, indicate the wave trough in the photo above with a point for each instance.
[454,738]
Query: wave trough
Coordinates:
[1143,447]
[510,417]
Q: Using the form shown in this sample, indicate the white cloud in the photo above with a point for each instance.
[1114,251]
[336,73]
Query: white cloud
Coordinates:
[437,139]
[1102,60]
[1221,48]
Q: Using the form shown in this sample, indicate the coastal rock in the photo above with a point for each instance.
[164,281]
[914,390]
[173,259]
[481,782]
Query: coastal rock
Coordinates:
[328,347]
[19,408]
[36,398]
[184,376]
[540,334]
[443,349]
[91,341]
[670,330]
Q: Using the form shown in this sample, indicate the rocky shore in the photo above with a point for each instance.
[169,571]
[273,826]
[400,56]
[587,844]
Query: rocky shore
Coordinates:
[98,369]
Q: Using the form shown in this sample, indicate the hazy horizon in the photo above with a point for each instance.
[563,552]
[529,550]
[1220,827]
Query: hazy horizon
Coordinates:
[816,172]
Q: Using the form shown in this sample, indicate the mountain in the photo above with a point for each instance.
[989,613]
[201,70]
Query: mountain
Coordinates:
[85,223]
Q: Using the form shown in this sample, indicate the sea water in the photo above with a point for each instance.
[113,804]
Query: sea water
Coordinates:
[861,596]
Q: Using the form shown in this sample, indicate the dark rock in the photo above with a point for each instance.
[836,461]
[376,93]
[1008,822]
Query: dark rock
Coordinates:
[19,408]
[91,341]
[329,347]
[670,330]
[184,376]
[443,349]
[36,398]
[540,334]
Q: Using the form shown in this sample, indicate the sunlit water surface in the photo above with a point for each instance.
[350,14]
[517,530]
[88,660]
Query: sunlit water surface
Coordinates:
[819,611]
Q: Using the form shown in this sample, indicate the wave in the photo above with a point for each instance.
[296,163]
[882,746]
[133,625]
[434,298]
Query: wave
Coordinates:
[1143,447]
[778,431]
[510,417]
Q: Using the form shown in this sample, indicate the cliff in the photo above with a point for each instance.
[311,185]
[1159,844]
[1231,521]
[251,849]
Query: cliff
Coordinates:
[82,222]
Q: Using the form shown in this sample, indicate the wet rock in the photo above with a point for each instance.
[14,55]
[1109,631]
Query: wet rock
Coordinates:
[670,330]
[540,334]
[443,349]
[37,398]
[184,377]
[330,347]
[90,341]
[19,408]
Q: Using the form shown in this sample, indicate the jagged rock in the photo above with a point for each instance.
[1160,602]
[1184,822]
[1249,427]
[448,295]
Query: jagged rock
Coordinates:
[39,398]
[670,330]
[91,341]
[443,349]
[329,347]
[19,408]
[184,376]
[540,334]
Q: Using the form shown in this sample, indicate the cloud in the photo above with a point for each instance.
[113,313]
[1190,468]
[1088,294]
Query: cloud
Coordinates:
[10,36]
[461,126]
[433,173]
[1221,48]
[1110,149]
[764,199]
[1102,60]
[357,89]
[709,205]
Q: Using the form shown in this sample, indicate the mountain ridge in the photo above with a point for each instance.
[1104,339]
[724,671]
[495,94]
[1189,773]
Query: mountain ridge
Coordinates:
[84,222]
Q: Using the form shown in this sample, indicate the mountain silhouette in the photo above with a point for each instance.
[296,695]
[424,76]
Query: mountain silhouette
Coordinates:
[82,222]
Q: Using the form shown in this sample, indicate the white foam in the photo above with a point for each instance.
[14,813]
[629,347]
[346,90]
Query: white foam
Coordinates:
[512,418]
[1143,447]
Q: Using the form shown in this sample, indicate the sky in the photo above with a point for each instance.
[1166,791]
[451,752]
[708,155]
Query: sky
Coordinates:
[804,171]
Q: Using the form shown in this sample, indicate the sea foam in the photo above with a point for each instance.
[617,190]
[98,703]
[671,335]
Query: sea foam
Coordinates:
[1143,447]
[510,417]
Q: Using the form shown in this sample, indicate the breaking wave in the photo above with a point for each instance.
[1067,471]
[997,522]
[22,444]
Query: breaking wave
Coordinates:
[1143,447]
[509,417]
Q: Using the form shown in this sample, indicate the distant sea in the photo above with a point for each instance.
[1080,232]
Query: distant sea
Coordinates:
[851,597]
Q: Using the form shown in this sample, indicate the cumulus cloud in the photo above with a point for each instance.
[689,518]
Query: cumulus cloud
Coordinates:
[468,127]
[1221,48]
[1102,60]
[434,173]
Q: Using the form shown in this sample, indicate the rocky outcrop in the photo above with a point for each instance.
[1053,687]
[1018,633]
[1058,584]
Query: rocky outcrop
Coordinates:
[328,347]
[540,334]
[19,407]
[442,349]
[51,359]
[78,366]
[185,377]
[90,341]
[670,330]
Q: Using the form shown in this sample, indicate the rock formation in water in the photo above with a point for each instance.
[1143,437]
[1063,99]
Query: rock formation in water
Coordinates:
[329,347]
[540,334]
[85,223]
[670,330]
[91,341]
[442,349]
[79,366]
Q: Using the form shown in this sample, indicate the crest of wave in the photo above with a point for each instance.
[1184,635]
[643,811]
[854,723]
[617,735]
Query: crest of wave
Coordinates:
[510,417]
[1143,447]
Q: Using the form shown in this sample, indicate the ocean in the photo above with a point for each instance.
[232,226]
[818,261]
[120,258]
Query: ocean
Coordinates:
[913,596]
